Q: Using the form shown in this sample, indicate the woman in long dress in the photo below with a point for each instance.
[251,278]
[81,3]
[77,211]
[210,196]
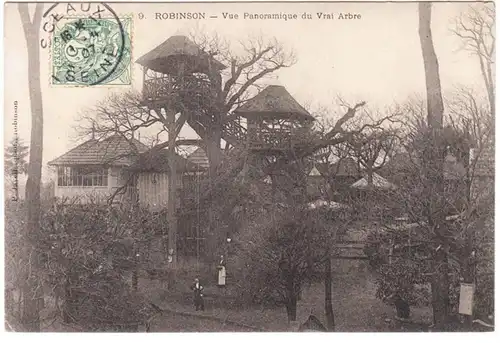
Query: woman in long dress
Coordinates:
[221,280]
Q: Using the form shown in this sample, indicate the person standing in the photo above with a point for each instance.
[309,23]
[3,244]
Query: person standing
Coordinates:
[198,295]
[221,280]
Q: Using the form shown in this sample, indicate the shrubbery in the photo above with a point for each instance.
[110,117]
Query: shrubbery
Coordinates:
[280,254]
[88,254]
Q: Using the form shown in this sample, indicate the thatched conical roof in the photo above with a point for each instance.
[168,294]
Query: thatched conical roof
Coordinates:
[165,58]
[274,101]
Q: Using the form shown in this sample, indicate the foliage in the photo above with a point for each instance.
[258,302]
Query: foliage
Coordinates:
[279,255]
[406,269]
[485,266]
[87,256]
[404,278]
[402,262]
[15,212]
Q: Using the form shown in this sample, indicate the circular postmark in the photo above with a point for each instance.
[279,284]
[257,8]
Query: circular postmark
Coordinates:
[89,46]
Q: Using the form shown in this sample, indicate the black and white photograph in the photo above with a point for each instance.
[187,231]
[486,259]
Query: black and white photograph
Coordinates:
[286,166]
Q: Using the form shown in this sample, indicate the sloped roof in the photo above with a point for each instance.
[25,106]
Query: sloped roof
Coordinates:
[157,161]
[114,150]
[274,101]
[323,168]
[314,172]
[199,157]
[378,182]
[165,57]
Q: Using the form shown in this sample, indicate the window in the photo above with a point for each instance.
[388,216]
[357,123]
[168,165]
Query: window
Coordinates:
[82,176]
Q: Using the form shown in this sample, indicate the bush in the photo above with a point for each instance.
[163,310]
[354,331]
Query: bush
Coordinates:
[279,255]
[405,279]
[87,254]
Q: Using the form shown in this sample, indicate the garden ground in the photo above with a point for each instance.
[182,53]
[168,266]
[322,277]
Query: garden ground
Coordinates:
[355,307]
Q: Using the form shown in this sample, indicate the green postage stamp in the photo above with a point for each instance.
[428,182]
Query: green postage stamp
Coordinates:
[90,51]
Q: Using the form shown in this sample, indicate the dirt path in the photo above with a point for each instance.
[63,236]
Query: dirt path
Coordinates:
[355,307]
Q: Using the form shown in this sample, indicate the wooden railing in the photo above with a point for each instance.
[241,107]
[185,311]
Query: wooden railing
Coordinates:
[157,88]
[268,138]
[186,87]
[193,90]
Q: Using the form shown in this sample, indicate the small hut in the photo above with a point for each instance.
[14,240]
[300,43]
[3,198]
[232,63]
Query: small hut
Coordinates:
[274,119]
[171,65]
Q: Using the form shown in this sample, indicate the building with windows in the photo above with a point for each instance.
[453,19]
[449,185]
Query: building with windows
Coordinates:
[124,167]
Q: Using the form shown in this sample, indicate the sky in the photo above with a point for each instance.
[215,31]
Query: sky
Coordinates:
[376,59]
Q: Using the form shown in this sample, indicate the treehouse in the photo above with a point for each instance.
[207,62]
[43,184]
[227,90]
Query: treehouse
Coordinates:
[178,68]
[275,120]
[178,76]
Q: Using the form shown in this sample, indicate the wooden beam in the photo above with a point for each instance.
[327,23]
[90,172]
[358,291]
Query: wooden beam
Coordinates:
[172,186]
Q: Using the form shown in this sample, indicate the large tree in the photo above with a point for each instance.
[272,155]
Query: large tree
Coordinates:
[203,100]
[220,94]
[433,164]
[32,290]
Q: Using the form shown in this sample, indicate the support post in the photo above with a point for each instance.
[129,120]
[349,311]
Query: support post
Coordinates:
[172,189]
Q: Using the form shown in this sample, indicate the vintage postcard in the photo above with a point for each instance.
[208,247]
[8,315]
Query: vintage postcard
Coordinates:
[249,166]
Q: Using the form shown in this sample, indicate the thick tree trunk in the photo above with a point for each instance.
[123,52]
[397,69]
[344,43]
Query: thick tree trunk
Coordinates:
[467,260]
[486,71]
[33,294]
[214,154]
[491,98]
[440,290]
[434,168]
[291,308]
[330,319]
[172,189]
